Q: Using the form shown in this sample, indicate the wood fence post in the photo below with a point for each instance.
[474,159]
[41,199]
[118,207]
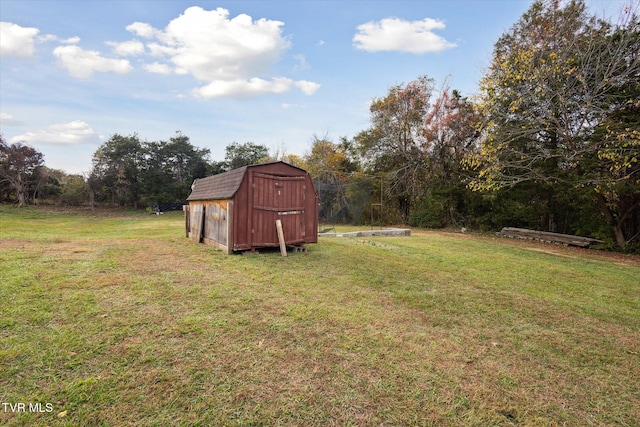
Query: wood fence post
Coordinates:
[283,246]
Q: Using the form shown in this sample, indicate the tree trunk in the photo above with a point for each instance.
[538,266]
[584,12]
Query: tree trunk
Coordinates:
[612,221]
[22,200]
[620,239]
[92,196]
[21,190]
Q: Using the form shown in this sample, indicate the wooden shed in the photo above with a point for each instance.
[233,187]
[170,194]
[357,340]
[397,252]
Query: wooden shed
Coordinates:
[237,210]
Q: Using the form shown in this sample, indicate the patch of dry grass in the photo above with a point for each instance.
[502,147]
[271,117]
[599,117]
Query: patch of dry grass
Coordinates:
[123,321]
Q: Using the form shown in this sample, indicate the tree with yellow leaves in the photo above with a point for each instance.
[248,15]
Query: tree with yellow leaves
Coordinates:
[553,98]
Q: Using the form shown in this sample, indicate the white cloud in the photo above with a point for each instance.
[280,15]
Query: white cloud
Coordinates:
[82,63]
[9,120]
[70,40]
[143,30]
[48,38]
[158,68]
[302,63]
[128,48]
[241,88]
[393,34]
[20,41]
[213,47]
[160,50]
[232,54]
[16,40]
[308,88]
[72,133]
[51,37]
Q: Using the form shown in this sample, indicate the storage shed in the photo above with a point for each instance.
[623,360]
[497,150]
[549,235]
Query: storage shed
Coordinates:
[237,210]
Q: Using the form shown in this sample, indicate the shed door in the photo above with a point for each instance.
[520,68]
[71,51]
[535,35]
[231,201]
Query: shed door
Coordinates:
[277,197]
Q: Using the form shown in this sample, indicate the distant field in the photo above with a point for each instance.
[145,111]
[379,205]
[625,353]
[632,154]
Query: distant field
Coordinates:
[114,318]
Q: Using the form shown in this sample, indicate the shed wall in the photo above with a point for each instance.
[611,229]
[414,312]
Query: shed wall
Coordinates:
[210,222]
[196,220]
[216,223]
[270,192]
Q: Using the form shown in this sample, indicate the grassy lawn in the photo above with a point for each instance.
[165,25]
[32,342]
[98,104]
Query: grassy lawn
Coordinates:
[119,319]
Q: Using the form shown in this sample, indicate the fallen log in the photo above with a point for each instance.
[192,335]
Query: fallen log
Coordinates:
[546,236]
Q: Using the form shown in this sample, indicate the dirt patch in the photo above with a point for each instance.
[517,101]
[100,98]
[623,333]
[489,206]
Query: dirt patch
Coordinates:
[12,243]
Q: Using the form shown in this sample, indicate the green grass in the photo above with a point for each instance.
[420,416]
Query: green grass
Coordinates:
[117,319]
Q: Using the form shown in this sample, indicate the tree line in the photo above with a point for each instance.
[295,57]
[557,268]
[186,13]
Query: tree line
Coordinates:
[552,142]
[126,171]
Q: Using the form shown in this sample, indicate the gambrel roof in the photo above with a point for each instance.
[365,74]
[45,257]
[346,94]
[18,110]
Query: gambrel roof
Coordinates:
[221,186]
[226,184]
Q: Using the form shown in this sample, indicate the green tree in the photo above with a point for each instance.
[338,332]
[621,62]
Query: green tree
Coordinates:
[556,76]
[249,153]
[74,190]
[170,167]
[50,184]
[394,145]
[332,170]
[416,147]
[20,167]
[617,171]
[128,171]
[449,136]
[116,171]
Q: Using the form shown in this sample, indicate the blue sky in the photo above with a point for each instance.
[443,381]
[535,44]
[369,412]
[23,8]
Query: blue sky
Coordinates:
[73,73]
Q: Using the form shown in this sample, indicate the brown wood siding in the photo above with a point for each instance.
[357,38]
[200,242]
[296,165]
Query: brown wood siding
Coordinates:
[277,197]
[196,211]
[216,222]
[187,220]
[241,238]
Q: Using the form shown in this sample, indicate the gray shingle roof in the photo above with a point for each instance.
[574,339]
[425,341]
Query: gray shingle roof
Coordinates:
[221,186]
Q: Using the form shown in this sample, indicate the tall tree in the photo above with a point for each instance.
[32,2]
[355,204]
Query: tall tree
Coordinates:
[450,135]
[394,144]
[19,168]
[170,167]
[249,153]
[49,184]
[617,170]
[117,166]
[418,145]
[129,171]
[186,162]
[332,170]
[556,76]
